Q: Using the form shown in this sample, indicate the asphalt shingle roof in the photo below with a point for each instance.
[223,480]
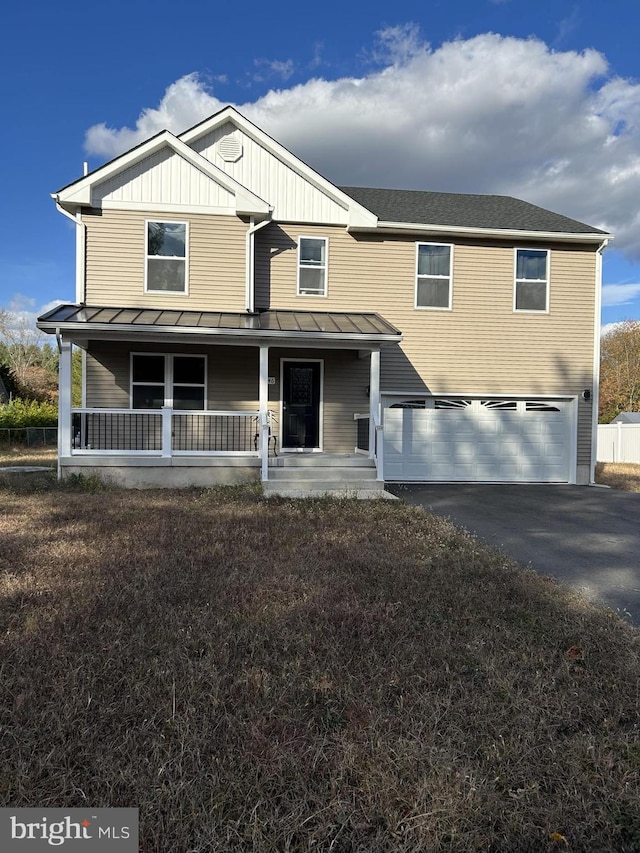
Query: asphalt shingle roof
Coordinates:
[464,210]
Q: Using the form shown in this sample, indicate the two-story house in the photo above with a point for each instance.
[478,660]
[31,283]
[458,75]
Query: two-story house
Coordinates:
[241,317]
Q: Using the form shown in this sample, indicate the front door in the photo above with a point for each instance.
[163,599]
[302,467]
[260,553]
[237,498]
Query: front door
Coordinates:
[300,405]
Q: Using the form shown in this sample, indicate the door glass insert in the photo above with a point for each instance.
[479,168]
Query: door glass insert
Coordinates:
[301,386]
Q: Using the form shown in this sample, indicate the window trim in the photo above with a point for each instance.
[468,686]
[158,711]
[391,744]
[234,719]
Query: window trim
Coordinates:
[546,281]
[147,256]
[449,277]
[324,295]
[168,378]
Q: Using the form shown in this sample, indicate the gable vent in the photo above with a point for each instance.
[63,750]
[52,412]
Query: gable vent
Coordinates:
[230,148]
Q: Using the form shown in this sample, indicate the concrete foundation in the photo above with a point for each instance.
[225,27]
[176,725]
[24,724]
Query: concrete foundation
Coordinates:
[583,475]
[169,477]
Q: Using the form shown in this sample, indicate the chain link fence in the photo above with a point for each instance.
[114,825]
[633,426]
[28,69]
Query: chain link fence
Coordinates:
[29,437]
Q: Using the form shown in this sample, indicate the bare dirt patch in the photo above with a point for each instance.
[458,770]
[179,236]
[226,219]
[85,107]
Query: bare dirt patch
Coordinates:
[306,675]
[619,476]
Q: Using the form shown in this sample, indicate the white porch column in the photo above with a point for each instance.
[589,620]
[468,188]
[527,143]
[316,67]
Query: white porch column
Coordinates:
[264,408]
[374,400]
[167,437]
[64,401]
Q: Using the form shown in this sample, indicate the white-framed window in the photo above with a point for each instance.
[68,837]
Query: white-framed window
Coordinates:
[433,275]
[175,380]
[531,289]
[166,248]
[312,266]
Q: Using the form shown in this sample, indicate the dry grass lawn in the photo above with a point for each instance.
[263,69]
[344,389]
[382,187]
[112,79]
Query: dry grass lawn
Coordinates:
[23,456]
[316,675]
[619,476]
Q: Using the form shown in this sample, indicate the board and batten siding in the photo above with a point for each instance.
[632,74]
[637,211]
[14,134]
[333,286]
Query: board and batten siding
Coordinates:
[163,178]
[481,346]
[116,257]
[294,197]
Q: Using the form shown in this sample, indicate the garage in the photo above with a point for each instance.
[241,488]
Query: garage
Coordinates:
[484,439]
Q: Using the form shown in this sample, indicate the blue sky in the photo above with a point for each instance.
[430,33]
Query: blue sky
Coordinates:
[537,100]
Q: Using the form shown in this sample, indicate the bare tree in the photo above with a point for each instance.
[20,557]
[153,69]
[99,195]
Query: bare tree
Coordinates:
[620,371]
[21,343]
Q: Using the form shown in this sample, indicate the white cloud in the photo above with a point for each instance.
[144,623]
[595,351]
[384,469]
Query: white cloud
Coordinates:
[184,103]
[21,313]
[21,303]
[274,68]
[488,114]
[608,327]
[619,294]
[568,25]
[398,45]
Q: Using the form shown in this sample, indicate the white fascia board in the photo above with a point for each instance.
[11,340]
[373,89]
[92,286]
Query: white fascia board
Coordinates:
[359,216]
[247,334]
[476,394]
[79,193]
[560,236]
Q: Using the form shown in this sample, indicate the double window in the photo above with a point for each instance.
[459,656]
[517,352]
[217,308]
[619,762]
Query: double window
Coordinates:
[531,291]
[433,275]
[312,266]
[166,257]
[160,380]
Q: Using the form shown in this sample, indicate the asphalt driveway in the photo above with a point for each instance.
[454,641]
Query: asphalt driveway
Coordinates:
[586,536]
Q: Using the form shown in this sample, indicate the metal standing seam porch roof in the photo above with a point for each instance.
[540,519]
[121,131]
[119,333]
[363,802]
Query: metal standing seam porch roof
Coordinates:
[308,325]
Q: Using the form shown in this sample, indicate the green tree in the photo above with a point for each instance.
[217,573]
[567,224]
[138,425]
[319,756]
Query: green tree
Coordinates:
[76,377]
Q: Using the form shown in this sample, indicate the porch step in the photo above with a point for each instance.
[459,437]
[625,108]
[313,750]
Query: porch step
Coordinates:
[321,460]
[322,486]
[314,475]
[340,474]
[275,491]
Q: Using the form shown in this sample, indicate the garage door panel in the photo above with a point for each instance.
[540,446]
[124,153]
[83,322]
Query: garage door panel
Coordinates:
[483,440]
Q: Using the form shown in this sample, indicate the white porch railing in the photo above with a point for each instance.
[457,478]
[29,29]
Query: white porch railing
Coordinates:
[362,432]
[365,428]
[165,432]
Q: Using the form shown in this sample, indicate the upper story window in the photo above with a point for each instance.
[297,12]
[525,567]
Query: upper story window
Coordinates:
[160,380]
[531,291]
[166,262]
[312,266]
[433,275]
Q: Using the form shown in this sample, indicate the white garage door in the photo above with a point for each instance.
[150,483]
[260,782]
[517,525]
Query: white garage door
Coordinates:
[478,440]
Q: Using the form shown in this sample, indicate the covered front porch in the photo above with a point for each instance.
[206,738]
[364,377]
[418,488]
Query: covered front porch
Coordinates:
[170,404]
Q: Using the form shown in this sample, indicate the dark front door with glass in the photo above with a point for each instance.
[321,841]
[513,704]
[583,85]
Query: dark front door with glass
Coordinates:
[300,405]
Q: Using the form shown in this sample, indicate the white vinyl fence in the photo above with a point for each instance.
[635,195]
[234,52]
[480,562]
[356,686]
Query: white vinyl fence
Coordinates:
[619,443]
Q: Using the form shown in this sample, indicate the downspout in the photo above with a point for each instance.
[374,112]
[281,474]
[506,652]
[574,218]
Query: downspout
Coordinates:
[596,363]
[81,229]
[251,266]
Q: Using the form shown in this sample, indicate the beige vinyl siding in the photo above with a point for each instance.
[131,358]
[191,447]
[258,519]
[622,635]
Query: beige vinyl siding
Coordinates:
[481,345]
[345,381]
[116,261]
[107,376]
[585,411]
[232,382]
